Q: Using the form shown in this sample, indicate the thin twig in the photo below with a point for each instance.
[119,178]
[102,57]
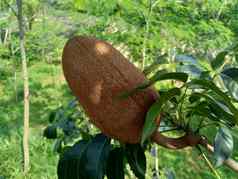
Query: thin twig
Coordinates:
[232,164]
[210,165]
[189,140]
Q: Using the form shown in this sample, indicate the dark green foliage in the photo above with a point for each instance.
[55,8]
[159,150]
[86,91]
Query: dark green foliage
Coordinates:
[70,161]
[223,145]
[136,158]
[159,76]
[52,116]
[154,111]
[193,70]
[231,85]
[50,132]
[86,159]
[219,60]
[183,77]
[95,158]
[213,109]
[232,73]
[115,164]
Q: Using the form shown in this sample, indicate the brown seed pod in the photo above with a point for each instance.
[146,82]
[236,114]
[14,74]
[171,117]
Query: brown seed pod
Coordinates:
[98,74]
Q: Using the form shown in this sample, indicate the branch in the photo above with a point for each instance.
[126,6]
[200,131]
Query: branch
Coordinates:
[232,164]
[190,140]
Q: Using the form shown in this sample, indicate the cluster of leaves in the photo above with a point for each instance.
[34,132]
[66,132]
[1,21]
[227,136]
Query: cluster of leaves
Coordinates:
[85,155]
[64,122]
[97,157]
[206,95]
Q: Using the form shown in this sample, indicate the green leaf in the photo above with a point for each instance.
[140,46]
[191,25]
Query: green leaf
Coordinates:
[186,59]
[168,76]
[223,145]
[50,132]
[232,73]
[209,85]
[194,98]
[219,60]
[95,158]
[202,109]
[58,146]
[85,159]
[115,164]
[159,76]
[231,85]
[192,70]
[69,165]
[136,159]
[212,106]
[205,75]
[160,60]
[52,116]
[236,57]
[154,111]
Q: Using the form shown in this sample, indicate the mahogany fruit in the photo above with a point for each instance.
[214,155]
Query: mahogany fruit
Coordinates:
[98,74]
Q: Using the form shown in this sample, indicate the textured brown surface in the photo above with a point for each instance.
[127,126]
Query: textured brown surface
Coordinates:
[97,73]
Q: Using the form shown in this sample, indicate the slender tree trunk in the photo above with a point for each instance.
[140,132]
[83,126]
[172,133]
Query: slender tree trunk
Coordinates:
[26,88]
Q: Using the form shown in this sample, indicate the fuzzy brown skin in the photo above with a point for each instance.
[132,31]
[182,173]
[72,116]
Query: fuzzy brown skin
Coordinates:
[97,74]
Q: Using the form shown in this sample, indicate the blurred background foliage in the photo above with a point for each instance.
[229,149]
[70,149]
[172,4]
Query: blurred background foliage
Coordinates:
[142,30]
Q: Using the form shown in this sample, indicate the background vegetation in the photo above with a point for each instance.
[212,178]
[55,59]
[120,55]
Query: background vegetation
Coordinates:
[142,30]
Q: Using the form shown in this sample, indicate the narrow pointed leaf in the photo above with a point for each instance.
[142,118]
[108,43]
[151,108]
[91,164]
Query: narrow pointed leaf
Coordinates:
[232,73]
[180,76]
[209,85]
[159,76]
[231,85]
[58,146]
[85,159]
[192,70]
[115,164]
[188,59]
[136,159]
[236,57]
[52,116]
[95,157]
[205,75]
[219,60]
[160,60]
[223,145]
[214,107]
[69,165]
[154,111]
[50,132]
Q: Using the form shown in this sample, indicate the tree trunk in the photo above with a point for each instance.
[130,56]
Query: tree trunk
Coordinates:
[26,88]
